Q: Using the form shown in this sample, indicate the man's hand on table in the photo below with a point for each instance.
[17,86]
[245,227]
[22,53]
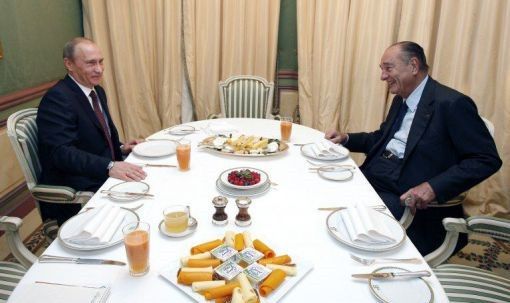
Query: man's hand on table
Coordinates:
[335,136]
[127,171]
[418,197]
[128,147]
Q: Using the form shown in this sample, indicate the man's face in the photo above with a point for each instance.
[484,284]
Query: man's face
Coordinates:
[399,74]
[87,65]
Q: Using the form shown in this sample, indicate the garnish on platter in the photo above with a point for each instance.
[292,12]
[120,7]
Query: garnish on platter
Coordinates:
[244,145]
[235,269]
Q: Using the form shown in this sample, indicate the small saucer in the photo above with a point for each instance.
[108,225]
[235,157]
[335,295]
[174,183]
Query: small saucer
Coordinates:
[192,227]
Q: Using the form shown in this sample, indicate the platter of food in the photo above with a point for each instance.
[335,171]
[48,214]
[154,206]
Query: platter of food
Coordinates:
[236,268]
[246,146]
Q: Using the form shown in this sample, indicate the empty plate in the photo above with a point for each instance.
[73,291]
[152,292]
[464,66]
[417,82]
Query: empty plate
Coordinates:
[181,130]
[156,148]
[335,173]
[119,191]
[400,290]
[229,191]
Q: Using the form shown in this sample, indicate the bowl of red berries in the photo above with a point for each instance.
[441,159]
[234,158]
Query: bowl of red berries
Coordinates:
[244,178]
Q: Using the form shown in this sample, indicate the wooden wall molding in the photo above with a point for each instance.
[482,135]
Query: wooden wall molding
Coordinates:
[21,96]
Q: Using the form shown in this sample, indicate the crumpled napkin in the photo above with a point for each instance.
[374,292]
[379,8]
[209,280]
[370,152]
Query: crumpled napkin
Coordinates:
[365,228]
[220,127]
[327,149]
[101,228]
[60,293]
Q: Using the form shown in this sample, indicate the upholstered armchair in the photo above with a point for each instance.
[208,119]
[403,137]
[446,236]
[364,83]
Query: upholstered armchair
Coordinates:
[22,132]
[245,97]
[465,283]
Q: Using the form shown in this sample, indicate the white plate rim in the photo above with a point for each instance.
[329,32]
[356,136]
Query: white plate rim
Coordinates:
[224,178]
[242,193]
[306,154]
[191,129]
[92,247]
[169,152]
[322,172]
[188,231]
[127,198]
[169,273]
[374,292]
[372,247]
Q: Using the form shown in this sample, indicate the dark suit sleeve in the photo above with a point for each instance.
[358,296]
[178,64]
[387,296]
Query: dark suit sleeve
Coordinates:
[474,146]
[58,135]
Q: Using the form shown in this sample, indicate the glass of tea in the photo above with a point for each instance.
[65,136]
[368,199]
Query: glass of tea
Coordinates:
[285,128]
[176,218]
[136,241]
[183,154]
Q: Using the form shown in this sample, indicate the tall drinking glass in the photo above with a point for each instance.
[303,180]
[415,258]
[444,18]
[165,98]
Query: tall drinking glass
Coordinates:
[183,154]
[136,241]
[285,128]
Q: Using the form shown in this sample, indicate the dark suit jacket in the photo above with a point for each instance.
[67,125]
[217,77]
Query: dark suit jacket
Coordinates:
[448,144]
[72,148]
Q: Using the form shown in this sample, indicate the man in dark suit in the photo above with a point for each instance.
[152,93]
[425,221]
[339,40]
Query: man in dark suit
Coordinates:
[432,146]
[78,143]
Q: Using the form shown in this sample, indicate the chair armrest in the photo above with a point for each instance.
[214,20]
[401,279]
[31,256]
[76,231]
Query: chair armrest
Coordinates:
[453,227]
[495,227]
[214,116]
[59,194]
[407,218]
[11,227]
[276,117]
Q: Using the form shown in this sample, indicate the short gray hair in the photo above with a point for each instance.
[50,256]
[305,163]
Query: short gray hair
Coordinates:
[70,46]
[410,50]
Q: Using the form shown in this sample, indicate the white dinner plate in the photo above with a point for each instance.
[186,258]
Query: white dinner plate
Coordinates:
[229,191]
[303,268]
[335,173]
[264,178]
[70,227]
[308,152]
[156,148]
[414,290]
[338,231]
[181,130]
[128,187]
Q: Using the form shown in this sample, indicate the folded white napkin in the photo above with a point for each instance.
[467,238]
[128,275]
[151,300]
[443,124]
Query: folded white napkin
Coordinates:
[220,127]
[58,293]
[327,149]
[364,227]
[101,228]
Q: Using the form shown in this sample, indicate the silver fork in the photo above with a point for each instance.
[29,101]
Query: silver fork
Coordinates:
[365,261]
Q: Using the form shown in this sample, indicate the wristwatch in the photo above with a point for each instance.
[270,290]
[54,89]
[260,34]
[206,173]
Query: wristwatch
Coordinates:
[110,165]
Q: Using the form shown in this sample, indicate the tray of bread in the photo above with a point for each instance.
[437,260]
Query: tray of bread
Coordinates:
[243,145]
[237,268]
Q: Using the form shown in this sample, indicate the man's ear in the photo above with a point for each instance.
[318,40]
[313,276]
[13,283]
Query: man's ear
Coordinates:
[415,64]
[68,63]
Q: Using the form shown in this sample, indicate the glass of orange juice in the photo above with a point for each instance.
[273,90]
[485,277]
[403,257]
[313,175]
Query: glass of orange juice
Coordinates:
[136,241]
[183,154]
[285,128]
[176,218]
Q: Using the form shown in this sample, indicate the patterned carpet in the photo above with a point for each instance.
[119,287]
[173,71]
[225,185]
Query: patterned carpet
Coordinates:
[481,251]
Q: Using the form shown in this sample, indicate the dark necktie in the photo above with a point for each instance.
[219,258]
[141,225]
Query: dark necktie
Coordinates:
[398,121]
[102,121]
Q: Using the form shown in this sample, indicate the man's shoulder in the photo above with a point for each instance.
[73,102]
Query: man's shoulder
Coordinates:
[444,92]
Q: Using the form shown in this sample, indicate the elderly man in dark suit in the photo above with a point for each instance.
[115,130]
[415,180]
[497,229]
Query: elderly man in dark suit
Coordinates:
[78,143]
[432,146]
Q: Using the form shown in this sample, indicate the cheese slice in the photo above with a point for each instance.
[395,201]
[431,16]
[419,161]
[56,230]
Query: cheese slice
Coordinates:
[288,270]
[197,269]
[230,238]
[249,295]
[237,296]
[248,242]
[203,285]
[206,255]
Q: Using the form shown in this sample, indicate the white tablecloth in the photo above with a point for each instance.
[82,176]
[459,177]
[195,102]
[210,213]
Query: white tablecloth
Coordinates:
[286,218]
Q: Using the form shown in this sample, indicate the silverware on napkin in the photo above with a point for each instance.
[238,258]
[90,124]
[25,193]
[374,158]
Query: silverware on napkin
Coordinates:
[126,193]
[393,275]
[59,259]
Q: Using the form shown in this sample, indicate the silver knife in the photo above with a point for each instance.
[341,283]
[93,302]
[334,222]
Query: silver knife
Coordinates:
[58,259]
[393,275]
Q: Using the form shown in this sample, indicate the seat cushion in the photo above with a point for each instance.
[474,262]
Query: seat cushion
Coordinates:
[10,275]
[470,284]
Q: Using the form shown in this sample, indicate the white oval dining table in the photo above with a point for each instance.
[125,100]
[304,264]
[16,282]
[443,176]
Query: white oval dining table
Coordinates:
[286,218]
